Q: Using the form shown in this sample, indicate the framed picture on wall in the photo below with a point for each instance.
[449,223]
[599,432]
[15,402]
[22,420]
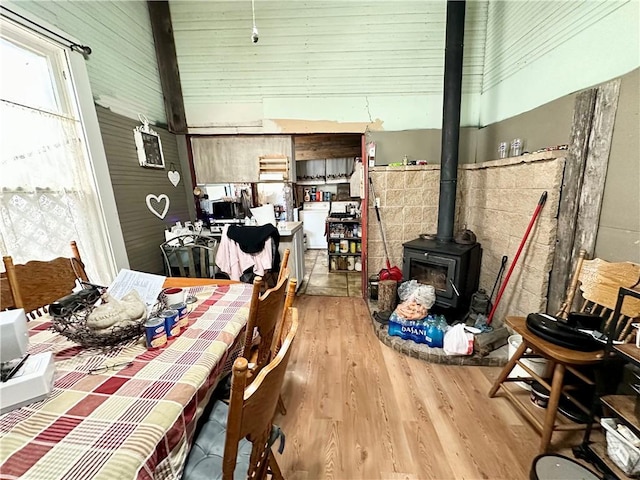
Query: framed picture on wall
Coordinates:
[149,147]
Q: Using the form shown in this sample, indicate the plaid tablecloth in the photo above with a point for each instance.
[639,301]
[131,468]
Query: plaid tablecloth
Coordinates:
[133,422]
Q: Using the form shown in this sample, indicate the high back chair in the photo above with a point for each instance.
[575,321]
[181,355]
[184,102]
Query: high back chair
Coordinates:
[245,425]
[284,265]
[6,299]
[265,315]
[599,282]
[191,255]
[36,284]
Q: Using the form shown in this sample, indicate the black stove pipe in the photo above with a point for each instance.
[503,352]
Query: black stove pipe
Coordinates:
[451,119]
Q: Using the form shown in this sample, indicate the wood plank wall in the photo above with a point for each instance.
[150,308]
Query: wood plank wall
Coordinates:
[314,147]
[143,231]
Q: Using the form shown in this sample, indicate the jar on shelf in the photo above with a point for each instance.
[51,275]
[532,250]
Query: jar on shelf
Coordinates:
[352,247]
[351,263]
[333,264]
[344,246]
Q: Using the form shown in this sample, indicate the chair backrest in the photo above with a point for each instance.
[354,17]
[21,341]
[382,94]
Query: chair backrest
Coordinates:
[283,327]
[284,265]
[36,284]
[6,299]
[191,255]
[265,314]
[252,408]
[599,282]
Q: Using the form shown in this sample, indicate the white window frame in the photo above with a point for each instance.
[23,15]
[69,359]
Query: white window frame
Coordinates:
[81,87]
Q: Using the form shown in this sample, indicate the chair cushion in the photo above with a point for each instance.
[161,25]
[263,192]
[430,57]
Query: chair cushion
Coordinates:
[205,458]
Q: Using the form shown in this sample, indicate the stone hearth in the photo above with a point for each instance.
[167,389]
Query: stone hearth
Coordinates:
[497,358]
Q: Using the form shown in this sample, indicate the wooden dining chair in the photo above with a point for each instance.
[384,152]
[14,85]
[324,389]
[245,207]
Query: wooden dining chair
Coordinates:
[191,255]
[244,426]
[265,315]
[284,265]
[6,299]
[598,282]
[36,284]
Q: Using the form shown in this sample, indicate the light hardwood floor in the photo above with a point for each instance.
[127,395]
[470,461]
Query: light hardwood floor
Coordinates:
[359,410]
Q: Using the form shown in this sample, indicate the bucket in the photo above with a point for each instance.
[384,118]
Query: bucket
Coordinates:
[538,365]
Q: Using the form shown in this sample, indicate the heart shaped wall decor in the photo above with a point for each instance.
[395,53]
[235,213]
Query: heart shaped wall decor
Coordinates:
[157,201]
[174,177]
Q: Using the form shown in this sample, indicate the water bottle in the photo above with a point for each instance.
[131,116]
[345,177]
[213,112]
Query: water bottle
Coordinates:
[430,327]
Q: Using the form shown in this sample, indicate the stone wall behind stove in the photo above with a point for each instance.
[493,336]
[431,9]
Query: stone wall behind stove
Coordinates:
[495,200]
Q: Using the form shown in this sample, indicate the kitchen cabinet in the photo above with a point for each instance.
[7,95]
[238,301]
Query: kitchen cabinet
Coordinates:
[344,244]
[291,237]
[621,407]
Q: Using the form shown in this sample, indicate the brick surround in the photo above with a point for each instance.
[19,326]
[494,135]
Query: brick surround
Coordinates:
[495,200]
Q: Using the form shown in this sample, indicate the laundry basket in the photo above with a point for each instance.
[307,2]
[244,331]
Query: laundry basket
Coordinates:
[620,450]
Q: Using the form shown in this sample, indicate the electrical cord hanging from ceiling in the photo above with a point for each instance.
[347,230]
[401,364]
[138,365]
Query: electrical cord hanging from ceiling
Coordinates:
[254,30]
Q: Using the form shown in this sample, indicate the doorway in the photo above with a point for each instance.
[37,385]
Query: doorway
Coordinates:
[318,280]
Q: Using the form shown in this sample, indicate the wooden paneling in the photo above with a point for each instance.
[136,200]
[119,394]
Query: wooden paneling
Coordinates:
[122,67]
[235,158]
[314,147]
[318,49]
[519,33]
[143,231]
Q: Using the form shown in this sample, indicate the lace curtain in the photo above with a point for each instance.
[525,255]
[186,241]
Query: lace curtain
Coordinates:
[47,196]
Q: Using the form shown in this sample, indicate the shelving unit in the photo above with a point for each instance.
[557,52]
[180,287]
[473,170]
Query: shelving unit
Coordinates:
[623,407]
[344,244]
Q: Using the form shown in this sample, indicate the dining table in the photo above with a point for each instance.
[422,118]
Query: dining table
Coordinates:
[126,412]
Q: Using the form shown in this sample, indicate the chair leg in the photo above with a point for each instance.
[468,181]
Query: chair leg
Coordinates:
[276,473]
[281,408]
[552,407]
[507,369]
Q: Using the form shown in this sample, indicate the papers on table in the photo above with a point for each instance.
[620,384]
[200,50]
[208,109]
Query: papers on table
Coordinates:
[147,285]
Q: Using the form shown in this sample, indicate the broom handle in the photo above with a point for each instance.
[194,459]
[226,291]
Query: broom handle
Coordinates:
[384,239]
[541,202]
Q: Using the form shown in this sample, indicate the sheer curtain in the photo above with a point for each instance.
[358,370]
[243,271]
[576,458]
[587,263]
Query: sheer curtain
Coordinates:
[47,190]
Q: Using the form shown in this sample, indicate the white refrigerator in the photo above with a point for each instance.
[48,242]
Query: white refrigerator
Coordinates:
[314,220]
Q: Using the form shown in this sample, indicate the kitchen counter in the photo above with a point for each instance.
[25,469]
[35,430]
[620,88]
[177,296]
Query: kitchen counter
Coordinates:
[292,237]
[287,229]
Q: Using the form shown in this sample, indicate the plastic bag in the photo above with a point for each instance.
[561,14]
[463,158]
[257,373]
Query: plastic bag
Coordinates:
[457,341]
[412,291]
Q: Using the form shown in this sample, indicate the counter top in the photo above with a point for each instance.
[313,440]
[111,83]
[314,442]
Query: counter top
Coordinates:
[287,229]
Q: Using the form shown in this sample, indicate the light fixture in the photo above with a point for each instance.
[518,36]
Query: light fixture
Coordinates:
[254,30]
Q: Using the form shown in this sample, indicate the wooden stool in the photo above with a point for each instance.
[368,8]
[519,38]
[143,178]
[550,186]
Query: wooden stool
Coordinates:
[562,359]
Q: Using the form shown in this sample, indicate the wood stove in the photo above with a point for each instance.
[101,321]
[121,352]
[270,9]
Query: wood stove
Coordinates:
[453,270]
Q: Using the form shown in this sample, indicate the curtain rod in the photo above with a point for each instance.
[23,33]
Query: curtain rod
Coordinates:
[83,49]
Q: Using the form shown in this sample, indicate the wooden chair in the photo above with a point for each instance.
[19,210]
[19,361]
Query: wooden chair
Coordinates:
[36,284]
[6,299]
[284,265]
[245,425]
[192,255]
[599,282]
[265,315]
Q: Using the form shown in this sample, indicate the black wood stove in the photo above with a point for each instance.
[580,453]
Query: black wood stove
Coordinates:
[452,268]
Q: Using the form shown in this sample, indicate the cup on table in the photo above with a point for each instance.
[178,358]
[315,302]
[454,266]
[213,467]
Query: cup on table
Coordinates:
[174,295]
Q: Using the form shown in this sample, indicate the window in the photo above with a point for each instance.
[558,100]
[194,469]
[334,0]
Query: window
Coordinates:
[48,193]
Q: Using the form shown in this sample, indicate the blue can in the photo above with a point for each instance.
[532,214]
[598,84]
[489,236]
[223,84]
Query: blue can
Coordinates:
[183,321]
[171,324]
[155,333]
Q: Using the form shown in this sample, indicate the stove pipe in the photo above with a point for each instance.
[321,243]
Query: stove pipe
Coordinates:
[451,119]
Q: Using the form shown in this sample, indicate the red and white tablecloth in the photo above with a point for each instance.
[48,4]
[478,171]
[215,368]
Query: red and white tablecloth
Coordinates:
[131,422]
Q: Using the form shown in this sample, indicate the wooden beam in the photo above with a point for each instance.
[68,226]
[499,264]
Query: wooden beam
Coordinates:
[570,193]
[595,172]
[165,47]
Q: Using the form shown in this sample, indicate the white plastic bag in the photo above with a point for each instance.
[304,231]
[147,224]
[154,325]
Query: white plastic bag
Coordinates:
[457,341]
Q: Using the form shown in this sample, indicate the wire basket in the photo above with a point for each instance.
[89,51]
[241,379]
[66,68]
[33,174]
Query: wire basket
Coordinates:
[69,318]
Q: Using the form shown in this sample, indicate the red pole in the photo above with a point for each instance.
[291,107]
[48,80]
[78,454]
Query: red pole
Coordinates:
[541,202]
